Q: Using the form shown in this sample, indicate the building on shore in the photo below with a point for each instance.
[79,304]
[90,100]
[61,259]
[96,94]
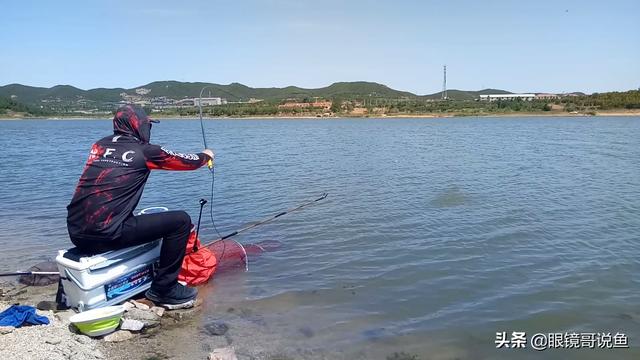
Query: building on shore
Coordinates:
[162,102]
[205,102]
[525,97]
[209,101]
[142,103]
[507,97]
[185,102]
[142,91]
[322,104]
[543,96]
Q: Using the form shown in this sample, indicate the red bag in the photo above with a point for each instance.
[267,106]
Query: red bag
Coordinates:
[198,266]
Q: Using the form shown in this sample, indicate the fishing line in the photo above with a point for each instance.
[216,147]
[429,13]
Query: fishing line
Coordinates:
[213,182]
[212,197]
[213,175]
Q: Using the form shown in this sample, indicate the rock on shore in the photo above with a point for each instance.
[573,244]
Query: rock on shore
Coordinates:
[223,354]
[46,342]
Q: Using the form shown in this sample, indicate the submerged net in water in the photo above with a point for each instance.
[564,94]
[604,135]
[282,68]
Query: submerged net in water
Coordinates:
[233,255]
[230,254]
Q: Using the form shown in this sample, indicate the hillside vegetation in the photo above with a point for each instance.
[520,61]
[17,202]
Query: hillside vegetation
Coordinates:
[9,106]
[346,98]
[181,90]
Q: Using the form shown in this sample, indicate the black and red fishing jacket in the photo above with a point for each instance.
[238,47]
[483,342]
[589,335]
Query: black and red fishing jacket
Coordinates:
[113,178]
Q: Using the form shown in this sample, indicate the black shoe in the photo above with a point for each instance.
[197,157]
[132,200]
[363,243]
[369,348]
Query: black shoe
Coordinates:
[178,297]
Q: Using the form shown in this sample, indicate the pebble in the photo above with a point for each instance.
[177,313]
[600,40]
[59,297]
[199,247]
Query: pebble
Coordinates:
[147,317]
[132,325]
[140,305]
[216,328]
[54,341]
[128,306]
[82,339]
[78,356]
[147,302]
[64,316]
[226,353]
[182,314]
[66,351]
[118,336]
[6,329]
[158,310]
[47,305]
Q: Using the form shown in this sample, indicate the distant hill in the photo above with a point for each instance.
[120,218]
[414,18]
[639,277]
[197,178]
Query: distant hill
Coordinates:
[233,92]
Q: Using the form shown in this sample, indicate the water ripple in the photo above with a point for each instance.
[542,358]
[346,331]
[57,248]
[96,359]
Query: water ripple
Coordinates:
[433,227]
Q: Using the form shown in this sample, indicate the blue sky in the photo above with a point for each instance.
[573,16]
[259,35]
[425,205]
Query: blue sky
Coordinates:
[539,45]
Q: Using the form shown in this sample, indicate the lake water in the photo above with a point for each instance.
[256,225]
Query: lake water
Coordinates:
[437,233]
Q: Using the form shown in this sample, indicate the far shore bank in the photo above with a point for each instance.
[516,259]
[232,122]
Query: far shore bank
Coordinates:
[621,112]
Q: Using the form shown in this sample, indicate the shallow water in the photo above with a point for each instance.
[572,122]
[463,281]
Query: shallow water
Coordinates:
[437,233]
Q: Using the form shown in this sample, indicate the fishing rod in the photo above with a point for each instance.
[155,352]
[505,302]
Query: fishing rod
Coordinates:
[19,273]
[270,219]
[204,138]
[202,202]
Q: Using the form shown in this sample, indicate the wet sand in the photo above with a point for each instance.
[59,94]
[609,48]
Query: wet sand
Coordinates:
[181,335]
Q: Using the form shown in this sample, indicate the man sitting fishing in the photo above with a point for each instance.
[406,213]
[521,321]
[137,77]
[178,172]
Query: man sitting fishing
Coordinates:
[100,216]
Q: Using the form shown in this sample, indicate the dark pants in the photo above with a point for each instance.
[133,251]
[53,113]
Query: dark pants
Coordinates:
[172,226]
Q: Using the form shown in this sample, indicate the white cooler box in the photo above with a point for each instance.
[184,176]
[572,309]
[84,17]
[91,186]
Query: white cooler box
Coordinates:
[105,279]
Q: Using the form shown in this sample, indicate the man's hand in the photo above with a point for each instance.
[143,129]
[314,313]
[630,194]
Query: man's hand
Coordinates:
[210,153]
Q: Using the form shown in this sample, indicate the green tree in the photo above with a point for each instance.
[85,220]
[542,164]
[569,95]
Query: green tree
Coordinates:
[336,105]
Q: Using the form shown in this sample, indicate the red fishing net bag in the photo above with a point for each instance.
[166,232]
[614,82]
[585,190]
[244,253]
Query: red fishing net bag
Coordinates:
[198,266]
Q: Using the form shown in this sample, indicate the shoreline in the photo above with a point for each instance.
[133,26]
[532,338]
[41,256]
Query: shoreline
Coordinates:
[616,113]
[194,333]
[59,339]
